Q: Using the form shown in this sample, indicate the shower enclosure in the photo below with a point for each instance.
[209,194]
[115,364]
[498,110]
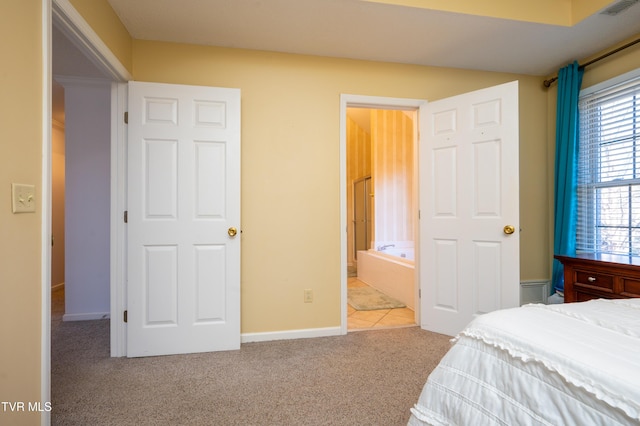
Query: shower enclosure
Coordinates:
[361,215]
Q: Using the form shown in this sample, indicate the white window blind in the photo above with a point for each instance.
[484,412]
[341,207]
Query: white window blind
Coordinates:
[609,170]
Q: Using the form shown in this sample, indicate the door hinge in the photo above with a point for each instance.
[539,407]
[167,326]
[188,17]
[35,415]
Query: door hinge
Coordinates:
[126,117]
[419,293]
[126,216]
[125,316]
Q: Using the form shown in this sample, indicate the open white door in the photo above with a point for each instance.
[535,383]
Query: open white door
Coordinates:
[183,278]
[469,205]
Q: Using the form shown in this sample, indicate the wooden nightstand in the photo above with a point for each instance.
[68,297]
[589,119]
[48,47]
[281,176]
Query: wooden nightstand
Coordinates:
[595,276]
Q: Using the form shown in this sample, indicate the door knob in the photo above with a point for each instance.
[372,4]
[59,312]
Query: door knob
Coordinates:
[232,231]
[509,229]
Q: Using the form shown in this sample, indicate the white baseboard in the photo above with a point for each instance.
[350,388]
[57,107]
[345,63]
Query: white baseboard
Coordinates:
[86,316]
[290,334]
[57,286]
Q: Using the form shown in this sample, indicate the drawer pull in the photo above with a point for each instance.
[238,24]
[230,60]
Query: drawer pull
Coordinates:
[591,279]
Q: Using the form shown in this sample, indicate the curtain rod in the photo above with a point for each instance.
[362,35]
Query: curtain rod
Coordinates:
[547,83]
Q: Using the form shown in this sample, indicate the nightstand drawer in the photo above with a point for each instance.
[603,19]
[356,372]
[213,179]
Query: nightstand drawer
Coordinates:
[630,287]
[594,279]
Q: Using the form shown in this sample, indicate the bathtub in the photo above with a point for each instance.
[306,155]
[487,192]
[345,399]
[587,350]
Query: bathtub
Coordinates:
[393,275]
[404,253]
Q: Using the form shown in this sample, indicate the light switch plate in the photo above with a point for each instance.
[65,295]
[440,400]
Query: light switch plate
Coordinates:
[23,198]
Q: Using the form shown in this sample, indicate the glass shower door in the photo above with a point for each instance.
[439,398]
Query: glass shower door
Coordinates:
[362,215]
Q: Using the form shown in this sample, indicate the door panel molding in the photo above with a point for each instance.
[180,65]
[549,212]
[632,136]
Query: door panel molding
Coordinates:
[183,202]
[469,191]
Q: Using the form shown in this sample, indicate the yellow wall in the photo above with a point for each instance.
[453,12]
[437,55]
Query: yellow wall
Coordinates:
[290,164]
[554,12]
[557,12]
[581,9]
[104,21]
[20,161]
[619,63]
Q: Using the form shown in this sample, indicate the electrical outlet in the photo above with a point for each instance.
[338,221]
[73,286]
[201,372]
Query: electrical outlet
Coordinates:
[23,198]
[308,295]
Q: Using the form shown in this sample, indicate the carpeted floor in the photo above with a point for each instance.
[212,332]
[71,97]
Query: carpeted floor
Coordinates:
[362,378]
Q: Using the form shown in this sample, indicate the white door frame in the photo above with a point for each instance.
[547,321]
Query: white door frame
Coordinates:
[80,33]
[373,102]
[45,216]
[118,242]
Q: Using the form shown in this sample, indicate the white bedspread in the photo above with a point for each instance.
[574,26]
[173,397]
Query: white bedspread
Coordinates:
[569,364]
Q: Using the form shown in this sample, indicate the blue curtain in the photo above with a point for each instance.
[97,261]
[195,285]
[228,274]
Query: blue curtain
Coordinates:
[565,211]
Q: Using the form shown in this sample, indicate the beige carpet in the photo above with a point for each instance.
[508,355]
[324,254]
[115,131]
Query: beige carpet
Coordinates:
[369,299]
[362,378]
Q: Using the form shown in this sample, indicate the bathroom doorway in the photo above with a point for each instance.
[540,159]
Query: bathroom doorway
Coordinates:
[381,194]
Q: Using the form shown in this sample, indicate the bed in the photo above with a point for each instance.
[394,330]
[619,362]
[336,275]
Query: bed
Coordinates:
[567,364]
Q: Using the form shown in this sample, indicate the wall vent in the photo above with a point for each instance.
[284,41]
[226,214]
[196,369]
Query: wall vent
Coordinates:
[619,7]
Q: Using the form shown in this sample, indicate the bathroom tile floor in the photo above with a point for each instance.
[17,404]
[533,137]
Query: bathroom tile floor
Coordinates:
[360,320]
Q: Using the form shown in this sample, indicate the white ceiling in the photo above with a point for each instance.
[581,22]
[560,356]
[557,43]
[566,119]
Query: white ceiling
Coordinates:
[358,29]
[373,31]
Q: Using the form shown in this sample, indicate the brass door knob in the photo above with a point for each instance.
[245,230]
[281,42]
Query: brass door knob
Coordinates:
[509,229]
[232,231]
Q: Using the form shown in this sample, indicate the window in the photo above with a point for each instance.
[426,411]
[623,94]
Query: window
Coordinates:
[609,169]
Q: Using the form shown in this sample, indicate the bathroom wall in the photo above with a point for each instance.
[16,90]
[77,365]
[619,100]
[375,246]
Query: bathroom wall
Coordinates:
[392,138]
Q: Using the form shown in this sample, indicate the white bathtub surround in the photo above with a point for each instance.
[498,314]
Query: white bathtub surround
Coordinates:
[392,275]
[402,249]
[403,253]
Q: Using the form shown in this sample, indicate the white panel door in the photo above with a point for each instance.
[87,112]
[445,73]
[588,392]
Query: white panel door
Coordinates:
[183,288]
[469,263]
